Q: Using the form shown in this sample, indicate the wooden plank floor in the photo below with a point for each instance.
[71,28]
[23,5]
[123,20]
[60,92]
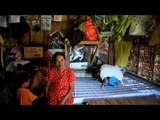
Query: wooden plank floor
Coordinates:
[145,100]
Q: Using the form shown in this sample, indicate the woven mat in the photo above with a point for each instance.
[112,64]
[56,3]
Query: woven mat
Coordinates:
[87,88]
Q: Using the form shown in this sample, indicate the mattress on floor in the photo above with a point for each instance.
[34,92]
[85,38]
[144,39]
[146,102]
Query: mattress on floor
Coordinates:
[87,88]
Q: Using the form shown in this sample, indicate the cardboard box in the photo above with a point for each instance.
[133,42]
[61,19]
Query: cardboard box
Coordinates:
[33,52]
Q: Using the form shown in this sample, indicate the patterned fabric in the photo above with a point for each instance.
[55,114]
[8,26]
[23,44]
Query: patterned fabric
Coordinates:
[25,96]
[59,86]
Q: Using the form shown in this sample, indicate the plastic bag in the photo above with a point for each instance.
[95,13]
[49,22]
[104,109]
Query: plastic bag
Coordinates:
[122,52]
[90,30]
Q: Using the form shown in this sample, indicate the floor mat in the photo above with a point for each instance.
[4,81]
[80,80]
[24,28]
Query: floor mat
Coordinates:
[87,88]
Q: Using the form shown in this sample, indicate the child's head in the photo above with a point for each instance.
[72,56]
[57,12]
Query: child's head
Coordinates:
[24,79]
[106,80]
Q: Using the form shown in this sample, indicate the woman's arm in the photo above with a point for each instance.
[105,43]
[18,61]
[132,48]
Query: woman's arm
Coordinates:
[71,90]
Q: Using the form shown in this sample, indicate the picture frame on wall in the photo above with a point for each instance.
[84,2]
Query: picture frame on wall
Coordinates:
[57,18]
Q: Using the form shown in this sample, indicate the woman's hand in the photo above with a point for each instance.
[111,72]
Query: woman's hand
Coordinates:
[62,102]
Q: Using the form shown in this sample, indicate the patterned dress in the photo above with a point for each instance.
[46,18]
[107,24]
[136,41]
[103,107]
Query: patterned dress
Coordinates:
[60,85]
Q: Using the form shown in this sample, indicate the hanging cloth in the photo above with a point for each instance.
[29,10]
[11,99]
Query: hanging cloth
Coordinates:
[1,46]
[139,25]
[18,30]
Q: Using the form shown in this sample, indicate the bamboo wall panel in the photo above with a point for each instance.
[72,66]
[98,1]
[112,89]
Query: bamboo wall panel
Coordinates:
[144,61]
[134,58]
[156,73]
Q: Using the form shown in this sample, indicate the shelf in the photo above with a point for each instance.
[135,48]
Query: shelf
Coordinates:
[86,42]
[89,42]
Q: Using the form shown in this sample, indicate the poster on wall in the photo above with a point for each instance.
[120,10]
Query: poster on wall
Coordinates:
[14,18]
[43,22]
[57,18]
[3,21]
[36,25]
[46,22]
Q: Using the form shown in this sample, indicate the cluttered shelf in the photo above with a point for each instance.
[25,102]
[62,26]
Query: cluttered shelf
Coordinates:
[88,43]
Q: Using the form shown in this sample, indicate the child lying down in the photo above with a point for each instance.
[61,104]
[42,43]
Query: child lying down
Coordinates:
[110,75]
[110,81]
